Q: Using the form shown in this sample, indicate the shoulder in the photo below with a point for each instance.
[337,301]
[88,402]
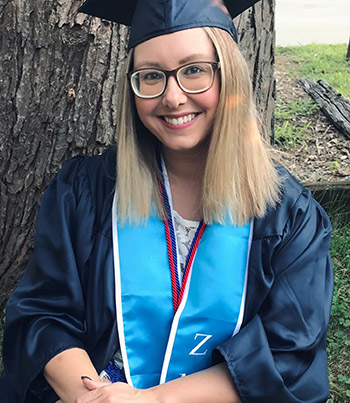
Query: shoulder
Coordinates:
[93,167]
[296,204]
[84,188]
[101,173]
[102,165]
[89,173]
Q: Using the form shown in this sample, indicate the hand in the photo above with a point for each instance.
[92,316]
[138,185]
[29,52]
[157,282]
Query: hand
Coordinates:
[100,392]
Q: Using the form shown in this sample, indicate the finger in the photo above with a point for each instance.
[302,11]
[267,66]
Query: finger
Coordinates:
[92,385]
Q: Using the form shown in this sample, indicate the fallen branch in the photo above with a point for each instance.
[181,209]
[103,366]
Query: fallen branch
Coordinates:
[333,105]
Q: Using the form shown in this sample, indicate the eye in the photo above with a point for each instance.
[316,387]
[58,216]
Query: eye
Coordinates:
[193,69]
[151,76]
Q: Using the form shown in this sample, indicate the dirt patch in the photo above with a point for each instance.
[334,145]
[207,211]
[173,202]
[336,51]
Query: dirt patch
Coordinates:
[324,153]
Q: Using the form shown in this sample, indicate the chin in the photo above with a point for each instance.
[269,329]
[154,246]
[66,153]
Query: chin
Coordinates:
[186,147]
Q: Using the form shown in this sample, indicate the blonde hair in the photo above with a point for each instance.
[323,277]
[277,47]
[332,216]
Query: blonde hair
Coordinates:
[240,178]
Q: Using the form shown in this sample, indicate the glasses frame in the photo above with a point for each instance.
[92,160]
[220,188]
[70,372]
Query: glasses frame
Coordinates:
[171,73]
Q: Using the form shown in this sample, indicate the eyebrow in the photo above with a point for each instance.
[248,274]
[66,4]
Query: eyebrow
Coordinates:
[187,59]
[194,57]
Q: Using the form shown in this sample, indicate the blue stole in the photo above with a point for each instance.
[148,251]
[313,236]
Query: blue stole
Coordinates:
[156,345]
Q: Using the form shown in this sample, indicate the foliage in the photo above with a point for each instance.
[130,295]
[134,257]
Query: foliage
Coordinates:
[288,131]
[320,62]
[289,135]
[334,164]
[289,109]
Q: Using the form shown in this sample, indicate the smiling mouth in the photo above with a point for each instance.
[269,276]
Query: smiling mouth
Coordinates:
[181,120]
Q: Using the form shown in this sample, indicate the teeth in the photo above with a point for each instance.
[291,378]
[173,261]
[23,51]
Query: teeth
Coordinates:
[180,121]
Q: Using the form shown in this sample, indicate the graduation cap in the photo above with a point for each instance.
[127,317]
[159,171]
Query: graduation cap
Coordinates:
[151,18]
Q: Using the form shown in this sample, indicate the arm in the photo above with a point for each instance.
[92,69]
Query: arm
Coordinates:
[210,386]
[280,353]
[64,371]
[46,313]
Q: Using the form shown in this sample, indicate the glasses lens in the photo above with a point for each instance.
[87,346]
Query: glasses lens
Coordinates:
[196,77]
[148,82]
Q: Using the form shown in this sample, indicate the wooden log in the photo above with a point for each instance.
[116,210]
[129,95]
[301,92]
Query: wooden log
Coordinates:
[333,105]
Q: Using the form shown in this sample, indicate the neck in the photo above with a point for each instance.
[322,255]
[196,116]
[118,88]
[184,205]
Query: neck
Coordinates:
[185,166]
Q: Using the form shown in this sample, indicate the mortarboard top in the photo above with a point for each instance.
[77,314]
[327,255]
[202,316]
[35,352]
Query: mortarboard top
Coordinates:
[151,18]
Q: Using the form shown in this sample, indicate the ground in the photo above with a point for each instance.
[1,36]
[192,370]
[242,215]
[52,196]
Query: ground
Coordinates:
[318,153]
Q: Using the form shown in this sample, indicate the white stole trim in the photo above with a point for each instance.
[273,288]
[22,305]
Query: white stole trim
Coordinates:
[173,330]
[170,198]
[242,308]
[118,294]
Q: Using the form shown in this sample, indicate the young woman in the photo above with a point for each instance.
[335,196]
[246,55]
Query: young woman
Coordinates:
[197,270]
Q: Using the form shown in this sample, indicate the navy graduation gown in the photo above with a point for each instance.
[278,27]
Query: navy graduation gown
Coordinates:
[66,297]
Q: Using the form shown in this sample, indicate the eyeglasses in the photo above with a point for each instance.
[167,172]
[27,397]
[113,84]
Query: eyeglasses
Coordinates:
[192,78]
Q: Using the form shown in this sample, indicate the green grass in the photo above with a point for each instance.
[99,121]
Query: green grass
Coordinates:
[338,339]
[288,131]
[289,135]
[318,61]
[293,109]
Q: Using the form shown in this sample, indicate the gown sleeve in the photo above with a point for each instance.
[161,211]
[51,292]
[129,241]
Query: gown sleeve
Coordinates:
[45,315]
[279,355]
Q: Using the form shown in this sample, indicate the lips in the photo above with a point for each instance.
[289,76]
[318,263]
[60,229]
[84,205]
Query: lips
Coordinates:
[179,120]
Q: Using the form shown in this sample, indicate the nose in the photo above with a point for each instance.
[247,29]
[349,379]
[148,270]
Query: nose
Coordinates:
[173,95]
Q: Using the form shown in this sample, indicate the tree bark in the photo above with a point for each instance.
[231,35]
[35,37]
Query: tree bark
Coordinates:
[58,86]
[256,28]
[332,104]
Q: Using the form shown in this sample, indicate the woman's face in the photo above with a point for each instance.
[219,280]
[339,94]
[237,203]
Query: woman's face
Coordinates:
[180,121]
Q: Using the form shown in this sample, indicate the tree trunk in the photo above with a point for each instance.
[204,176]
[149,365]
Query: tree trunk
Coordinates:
[58,72]
[58,88]
[256,28]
